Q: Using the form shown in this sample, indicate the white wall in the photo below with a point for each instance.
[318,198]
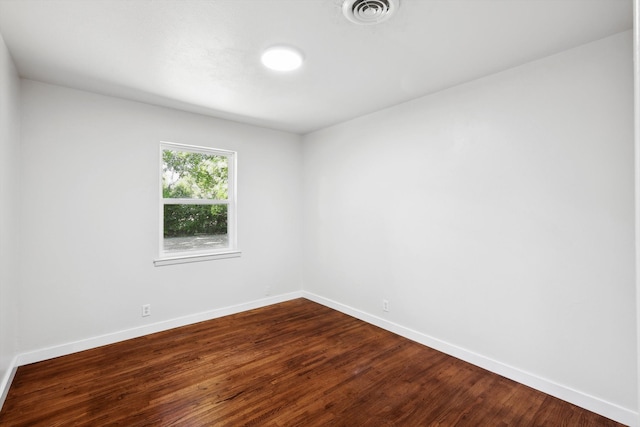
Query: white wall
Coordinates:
[496,216]
[90,216]
[9,192]
[636,63]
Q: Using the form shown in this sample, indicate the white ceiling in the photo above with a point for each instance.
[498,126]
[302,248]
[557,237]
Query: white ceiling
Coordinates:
[203,55]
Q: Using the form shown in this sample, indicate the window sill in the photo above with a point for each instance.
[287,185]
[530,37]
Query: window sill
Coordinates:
[184,259]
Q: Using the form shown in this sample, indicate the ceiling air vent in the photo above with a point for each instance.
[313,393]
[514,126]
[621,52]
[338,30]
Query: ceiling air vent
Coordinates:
[369,12]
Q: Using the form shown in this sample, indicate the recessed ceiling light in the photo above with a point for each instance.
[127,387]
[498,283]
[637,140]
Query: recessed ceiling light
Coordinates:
[282,58]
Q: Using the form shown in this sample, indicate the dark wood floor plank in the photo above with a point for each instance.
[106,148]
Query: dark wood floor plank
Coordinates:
[291,364]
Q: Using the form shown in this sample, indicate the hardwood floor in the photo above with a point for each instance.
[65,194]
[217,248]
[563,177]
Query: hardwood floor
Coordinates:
[292,364]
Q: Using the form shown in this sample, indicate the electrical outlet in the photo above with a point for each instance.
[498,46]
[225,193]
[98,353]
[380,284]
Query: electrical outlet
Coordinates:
[146,310]
[385,305]
[267,290]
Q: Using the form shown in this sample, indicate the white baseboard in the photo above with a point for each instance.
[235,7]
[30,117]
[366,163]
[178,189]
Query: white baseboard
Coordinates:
[591,403]
[89,343]
[7,379]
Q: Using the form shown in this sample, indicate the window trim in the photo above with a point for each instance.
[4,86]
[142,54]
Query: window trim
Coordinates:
[232,251]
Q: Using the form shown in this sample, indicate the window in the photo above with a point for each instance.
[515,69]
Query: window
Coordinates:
[197,204]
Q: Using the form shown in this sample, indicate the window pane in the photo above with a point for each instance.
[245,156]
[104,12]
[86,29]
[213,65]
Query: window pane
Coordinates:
[190,175]
[195,227]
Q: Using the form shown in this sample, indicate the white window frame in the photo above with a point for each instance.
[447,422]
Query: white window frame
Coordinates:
[232,251]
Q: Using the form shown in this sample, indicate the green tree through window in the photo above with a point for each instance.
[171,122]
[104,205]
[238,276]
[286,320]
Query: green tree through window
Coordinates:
[195,195]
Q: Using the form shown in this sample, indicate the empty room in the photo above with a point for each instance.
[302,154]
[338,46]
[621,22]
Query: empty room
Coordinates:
[319,212]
